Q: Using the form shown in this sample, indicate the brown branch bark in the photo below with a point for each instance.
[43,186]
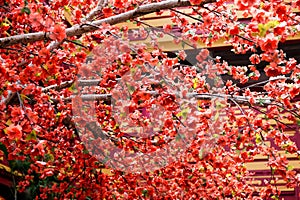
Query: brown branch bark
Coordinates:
[69,83]
[203,96]
[78,29]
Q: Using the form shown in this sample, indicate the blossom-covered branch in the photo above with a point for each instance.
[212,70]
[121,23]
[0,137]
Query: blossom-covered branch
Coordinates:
[80,29]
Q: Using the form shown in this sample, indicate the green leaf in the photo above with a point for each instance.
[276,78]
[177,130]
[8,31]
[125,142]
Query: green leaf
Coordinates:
[289,168]
[19,165]
[49,157]
[220,105]
[261,101]
[31,135]
[73,88]
[184,113]
[26,10]
[58,114]
[251,74]
[45,67]
[85,151]
[145,192]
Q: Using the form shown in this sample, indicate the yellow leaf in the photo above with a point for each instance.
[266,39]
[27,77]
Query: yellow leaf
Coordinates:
[107,172]
[68,14]
[8,123]
[195,83]
[263,28]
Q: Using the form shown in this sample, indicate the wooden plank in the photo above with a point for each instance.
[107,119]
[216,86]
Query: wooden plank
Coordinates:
[263,176]
[262,165]
[282,188]
[167,44]
[288,155]
[290,133]
[280,181]
[254,182]
[156,20]
[285,189]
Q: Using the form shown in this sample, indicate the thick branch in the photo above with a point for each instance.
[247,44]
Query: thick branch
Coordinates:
[78,30]
[69,84]
[203,96]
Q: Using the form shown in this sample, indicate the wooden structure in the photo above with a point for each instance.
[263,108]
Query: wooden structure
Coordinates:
[291,47]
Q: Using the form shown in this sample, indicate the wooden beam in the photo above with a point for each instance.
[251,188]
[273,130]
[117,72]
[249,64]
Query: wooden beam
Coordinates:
[262,165]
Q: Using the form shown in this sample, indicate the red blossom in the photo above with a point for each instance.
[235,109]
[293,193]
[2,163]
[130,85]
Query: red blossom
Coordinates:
[294,91]
[203,54]
[279,30]
[107,11]
[272,70]
[233,30]
[269,43]
[182,55]
[58,33]
[297,3]
[44,53]
[14,132]
[255,59]
[167,28]
[118,4]
[281,10]
[35,19]
[244,4]
[196,2]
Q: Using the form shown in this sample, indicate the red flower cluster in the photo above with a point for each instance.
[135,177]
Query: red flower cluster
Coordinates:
[58,33]
[14,132]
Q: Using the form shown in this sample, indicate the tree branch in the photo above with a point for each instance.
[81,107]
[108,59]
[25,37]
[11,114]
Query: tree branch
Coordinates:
[96,11]
[78,29]
[69,83]
[203,96]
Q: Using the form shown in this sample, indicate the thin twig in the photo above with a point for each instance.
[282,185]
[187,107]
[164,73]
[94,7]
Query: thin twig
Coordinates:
[76,43]
[278,121]
[161,30]
[182,13]
[243,112]
[262,82]
[240,36]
